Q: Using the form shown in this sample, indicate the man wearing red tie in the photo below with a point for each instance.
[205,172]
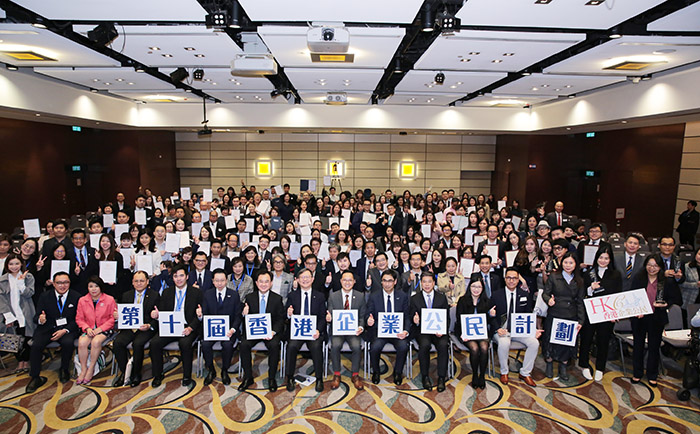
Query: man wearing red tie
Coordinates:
[557,218]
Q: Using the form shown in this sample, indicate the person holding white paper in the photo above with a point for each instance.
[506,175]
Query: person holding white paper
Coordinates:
[427,298]
[16,304]
[492,246]
[216,252]
[147,247]
[451,282]
[473,302]
[595,234]
[564,293]
[141,211]
[60,236]
[108,252]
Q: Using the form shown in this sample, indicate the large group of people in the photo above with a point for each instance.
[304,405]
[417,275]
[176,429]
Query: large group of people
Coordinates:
[246,252]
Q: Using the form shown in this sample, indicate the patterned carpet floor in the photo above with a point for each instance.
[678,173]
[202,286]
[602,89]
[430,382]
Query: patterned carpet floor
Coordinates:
[613,405]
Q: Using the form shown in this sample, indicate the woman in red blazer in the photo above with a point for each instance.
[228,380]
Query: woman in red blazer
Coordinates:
[95,318]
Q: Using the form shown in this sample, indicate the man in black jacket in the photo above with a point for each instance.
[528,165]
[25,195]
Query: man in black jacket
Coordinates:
[688,224]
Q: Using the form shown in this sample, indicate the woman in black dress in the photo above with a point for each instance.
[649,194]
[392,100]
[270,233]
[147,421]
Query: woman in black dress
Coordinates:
[475,301]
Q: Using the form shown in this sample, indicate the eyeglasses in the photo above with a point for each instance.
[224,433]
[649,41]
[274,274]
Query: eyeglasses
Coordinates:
[511,278]
[667,244]
[200,260]
[387,280]
[278,262]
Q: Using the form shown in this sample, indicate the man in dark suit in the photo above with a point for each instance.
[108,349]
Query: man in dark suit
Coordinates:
[374,279]
[306,301]
[264,251]
[200,277]
[262,300]
[492,240]
[60,236]
[220,301]
[673,269]
[388,300]
[347,299]
[55,316]
[321,282]
[83,262]
[140,205]
[557,217]
[357,218]
[394,219]
[409,282]
[409,220]
[595,234]
[216,224]
[216,251]
[507,301]
[427,298]
[148,299]
[364,264]
[629,262]
[180,298]
[688,224]
[491,280]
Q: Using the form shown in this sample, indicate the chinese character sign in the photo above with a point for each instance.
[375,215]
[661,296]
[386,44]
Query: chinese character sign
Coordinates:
[345,322]
[433,321]
[474,326]
[523,325]
[258,326]
[389,325]
[129,316]
[303,327]
[617,306]
[563,332]
[171,324]
[216,327]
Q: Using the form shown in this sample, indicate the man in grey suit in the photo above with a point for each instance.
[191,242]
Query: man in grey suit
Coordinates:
[374,278]
[347,299]
[629,262]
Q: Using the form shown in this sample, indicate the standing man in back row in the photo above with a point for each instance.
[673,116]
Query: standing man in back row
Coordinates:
[688,224]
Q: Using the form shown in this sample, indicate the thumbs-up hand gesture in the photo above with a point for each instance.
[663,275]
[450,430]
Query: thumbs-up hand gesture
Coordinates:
[368,281]
[551,301]
[115,314]
[199,311]
[329,278]
[42,318]
[329,318]
[154,313]
[370,320]
[492,312]
[295,284]
[416,319]
[245,310]
[290,311]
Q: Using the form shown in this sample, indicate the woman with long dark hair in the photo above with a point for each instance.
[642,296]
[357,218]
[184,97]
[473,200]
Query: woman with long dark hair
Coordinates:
[475,301]
[16,291]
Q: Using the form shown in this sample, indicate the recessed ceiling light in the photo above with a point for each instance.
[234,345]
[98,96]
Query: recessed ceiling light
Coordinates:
[107,83]
[459,83]
[568,128]
[509,54]
[572,96]
[624,122]
[496,61]
[39,26]
[95,80]
[465,60]
[93,90]
[615,36]
[429,85]
[525,74]
[594,2]
[545,85]
[453,87]
[543,2]
[557,90]
[199,55]
[188,90]
[189,48]
[38,114]
[346,84]
[167,55]
[474,53]
[568,86]
[534,88]
[120,79]
[154,48]
[238,83]
[346,81]
[131,83]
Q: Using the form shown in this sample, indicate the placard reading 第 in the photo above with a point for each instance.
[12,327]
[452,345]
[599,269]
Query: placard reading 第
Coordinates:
[129,316]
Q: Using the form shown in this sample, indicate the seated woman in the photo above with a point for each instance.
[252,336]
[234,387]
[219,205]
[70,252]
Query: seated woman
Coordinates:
[473,302]
[96,322]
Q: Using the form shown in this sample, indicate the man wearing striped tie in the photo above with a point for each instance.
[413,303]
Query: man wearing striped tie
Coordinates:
[630,261]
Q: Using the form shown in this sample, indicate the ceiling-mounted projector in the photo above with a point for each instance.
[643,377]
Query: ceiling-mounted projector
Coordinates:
[336,98]
[328,39]
[253,65]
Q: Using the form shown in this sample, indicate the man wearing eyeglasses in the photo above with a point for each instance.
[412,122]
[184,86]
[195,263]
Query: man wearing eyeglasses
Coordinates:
[200,277]
[55,316]
[595,238]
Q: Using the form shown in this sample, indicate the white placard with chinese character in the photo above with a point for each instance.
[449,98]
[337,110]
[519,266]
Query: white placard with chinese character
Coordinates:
[108,271]
[433,321]
[129,316]
[563,332]
[302,327]
[258,326]
[171,324]
[389,324]
[216,327]
[474,326]
[345,322]
[523,325]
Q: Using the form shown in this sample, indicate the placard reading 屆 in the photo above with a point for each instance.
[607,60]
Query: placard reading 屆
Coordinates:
[617,306]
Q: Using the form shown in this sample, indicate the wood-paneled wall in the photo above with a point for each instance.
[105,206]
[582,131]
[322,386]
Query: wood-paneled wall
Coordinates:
[689,182]
[463,163]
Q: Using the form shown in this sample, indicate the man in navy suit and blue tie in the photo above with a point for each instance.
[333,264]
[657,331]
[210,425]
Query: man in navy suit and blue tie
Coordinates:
[200,277]
[388,300]
[220,301]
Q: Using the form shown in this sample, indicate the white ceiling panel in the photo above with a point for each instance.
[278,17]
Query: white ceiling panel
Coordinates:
[684,20]
[247,97]
[668,51]
[571,14]
[313,97]
[498,101]
[556,85]
[493,51]
[407,98]
[221,79]
[373,47]
[455,82]
[162,46]
[124,10]
[24,37]
[356,11]
[341,80]
[107,78]
[176,95]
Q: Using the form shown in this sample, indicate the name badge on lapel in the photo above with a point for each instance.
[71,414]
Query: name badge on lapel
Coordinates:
[61,322]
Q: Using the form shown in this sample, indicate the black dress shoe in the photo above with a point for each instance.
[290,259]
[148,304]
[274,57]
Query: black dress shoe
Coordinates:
[225,378]
[272,385]
[319,385]
[246,383]
[375,378]
[290,384]
[35,383]
[118,380]
[482,382]
[441,384]
[187,382]
[63,375]
[210,377]
[427,384]
[157,380]
[135,381]
[398,379]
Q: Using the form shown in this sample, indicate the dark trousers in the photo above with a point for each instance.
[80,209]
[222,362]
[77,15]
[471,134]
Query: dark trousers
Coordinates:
[375,351]
[184,343]
[355,344]
[226,353]
[40,343]
[138,340]
[602,331]
[646,328]
[316,350]
[441,343]
[273,348]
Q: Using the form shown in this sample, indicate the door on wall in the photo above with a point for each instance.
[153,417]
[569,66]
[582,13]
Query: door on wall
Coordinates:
[582,196]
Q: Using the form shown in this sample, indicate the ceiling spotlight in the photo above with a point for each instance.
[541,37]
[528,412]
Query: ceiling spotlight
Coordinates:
[543,2]
[439,78]
[218,19]
[594,2]
[525,73]
[39,23]
[573,95]
[427,17]
[11,67]
[103,34]
[375,99]
[139,69]
[189,48]
[634,80]
[198,74]
[235,22]
[178,75]
[397,66]
[615,33]
[93,90]
[646,77]
[448,22]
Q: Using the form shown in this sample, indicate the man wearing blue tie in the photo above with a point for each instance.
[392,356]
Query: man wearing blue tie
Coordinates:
[220,301]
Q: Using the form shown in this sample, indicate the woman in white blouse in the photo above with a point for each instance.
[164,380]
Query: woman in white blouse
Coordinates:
[16,304]
[146,246]
[281,281]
